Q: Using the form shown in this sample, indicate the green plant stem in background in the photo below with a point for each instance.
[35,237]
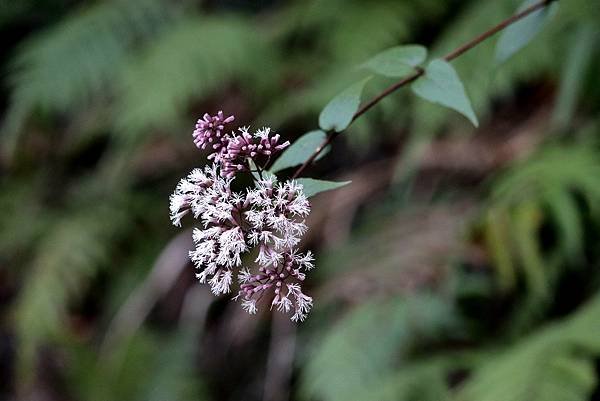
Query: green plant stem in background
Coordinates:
[419,72]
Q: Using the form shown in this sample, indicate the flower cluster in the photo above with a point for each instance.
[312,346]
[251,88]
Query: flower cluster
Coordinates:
[233,152]
[209,131]
[257,147]
[266,220]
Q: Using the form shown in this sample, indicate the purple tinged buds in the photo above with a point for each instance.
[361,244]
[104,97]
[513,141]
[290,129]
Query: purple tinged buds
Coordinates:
[209,129]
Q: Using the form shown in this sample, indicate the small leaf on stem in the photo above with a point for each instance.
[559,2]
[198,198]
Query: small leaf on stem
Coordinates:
[519,34]
[397,61]
[441,84]
[300,150]
[338,113]
[313,187]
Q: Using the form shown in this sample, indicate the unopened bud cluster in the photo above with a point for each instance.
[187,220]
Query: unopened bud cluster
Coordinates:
[266,220]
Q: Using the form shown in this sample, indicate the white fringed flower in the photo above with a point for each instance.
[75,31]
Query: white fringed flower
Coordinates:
[249,306]
[302,303]
[267,219]
[232,245]
[220,283]
[244,276]
[278,210]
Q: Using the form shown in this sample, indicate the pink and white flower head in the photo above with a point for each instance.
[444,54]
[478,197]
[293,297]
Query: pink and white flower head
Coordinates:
[209,131]
[245,147]
[190,193]
[267,220]
[278,209]
[282,283]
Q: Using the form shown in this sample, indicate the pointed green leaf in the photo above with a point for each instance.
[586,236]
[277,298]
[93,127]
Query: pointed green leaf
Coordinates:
[519,34]
[397,61]
[441,85]
[300,150]
[313,187]
[338,113]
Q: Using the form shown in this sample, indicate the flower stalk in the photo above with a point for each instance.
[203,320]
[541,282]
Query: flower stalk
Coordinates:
[331,135]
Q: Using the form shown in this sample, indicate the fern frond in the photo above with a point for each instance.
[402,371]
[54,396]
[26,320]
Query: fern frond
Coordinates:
[369,342]
[527,220]
[76,62]
[197,56]
[166,363]
[424,380]
[568,220]
[19,203]
[555,363]
[499,245]
[66,259]
[541,190]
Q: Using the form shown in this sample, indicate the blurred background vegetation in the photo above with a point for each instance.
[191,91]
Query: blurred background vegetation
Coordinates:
[461,264]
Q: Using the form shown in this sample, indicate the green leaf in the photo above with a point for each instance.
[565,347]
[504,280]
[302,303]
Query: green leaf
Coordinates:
[564,211]
[519,34]
[338,113]
[397,61]
[527,221]
[441,85]
[578,61]
[313,187]
[497,239]
[424,380]
[300,150]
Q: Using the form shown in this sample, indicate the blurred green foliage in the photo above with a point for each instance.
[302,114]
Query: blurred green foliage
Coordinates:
[423,301]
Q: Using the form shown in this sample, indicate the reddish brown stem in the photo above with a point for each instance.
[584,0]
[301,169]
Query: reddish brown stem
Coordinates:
[419,71]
